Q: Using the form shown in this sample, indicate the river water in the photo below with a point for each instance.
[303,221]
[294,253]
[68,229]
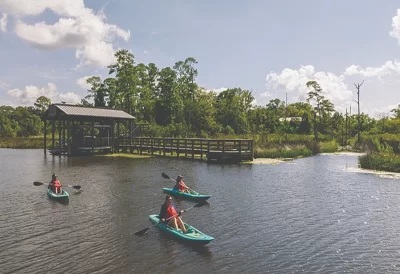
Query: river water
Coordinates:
[314,215]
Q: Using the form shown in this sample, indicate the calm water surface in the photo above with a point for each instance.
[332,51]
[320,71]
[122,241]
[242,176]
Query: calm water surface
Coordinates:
[313,215]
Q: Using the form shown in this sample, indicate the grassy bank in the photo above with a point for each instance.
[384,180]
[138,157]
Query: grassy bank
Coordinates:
[126,155]
[275,147]
[294,149]
[380,162]
[22,142]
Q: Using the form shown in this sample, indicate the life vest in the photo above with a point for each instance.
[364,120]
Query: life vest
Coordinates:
[181,186]
[56,183]
[171,211]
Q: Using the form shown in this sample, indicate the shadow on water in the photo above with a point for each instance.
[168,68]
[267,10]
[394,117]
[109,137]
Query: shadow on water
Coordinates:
[60,201]
[168,243]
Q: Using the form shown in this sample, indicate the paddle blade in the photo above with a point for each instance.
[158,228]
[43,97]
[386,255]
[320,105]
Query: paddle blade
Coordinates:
[37,183]
[142,232]
[200,204]
[165,176]
[77,187]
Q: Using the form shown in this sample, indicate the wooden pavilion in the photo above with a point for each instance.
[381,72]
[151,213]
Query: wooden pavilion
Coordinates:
[85,130]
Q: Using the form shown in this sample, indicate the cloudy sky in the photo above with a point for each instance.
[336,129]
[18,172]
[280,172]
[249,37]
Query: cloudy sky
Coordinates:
[49,47]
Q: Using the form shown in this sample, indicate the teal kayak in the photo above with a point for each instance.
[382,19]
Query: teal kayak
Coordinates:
[63,196]
[195,196]
[193,235]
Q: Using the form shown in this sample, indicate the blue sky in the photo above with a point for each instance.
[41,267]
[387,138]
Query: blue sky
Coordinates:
[270,47]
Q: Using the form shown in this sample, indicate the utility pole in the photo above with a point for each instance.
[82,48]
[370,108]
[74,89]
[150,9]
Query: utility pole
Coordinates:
[345,128]
[358,103]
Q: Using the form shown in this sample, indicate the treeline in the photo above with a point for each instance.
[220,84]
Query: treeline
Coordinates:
[170,100]
[23,121]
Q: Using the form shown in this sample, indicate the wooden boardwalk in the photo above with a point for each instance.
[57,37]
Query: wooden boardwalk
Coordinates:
[234,150]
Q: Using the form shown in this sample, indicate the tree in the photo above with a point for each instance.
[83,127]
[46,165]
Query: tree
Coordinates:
[358,104]
[126,79]
[96,91]
[232,107]
[396,112]
[168,107]
[323,107]
[186,74]
[42,104]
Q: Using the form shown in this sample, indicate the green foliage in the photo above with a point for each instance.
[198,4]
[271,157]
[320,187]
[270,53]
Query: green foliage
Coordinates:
[174,105]
[283,152]
[328,146]
[380,162]
[19,121]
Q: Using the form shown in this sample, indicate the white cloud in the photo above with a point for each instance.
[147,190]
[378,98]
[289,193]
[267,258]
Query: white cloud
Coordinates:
[294,81]
[388,68]
[3,85]
[395,33]
[27,7]
[217,90]
[82,82]
[29,94]
[78,27]
[266,94]
[3,22]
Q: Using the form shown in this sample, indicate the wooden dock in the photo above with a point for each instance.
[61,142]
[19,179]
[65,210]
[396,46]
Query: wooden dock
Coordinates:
[234,150]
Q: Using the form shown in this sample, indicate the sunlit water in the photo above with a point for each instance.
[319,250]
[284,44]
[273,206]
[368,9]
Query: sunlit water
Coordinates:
[314,215]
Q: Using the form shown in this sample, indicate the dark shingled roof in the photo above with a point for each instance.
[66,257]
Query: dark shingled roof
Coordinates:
[74,110]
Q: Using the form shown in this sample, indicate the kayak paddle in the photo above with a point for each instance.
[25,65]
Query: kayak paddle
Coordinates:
[143,231]
[169,178]
[40,183]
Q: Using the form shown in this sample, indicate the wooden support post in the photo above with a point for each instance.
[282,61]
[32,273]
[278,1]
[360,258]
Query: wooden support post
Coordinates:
[208,150]
[201,149]
[45,135]
[68,138]
[63,133]
[152,146]
[141,145]
[192,149]
[92,137]
[118,137]
[59,136]
[240,148]
[130,136]
[223,151]
[186,147]
[177,147]
[252,149]
[164,140]
[53,129]
[112,136]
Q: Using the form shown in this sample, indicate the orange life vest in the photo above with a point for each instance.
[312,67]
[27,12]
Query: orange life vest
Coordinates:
[181,186]
[171,211]
[56,183]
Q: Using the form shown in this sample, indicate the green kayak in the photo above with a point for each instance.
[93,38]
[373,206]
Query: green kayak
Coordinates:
[195,196]
[193,235]
[60,197]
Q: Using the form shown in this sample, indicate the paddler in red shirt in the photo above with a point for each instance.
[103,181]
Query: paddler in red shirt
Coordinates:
[170,215]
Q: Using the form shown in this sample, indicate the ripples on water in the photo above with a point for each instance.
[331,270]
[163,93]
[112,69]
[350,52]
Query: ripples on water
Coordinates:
[315,215]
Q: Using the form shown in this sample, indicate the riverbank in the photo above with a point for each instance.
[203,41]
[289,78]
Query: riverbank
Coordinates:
[381,162]
[22,142]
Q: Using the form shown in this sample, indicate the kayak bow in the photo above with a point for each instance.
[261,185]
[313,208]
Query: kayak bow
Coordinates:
[193,235]
[189,196]
[63,196]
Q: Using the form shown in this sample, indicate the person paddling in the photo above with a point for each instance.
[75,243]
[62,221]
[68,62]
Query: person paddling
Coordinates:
[180,185]
[55,184]
[169,211]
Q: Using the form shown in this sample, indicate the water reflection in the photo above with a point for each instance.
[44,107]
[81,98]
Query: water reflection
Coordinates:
[317,215]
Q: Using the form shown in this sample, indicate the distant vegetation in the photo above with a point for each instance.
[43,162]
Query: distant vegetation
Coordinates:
[170,100]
